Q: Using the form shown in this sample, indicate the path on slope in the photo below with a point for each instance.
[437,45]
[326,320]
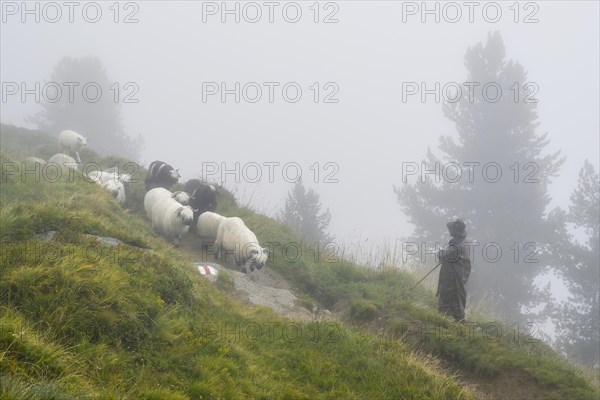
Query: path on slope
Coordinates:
[269,288]
[265,287]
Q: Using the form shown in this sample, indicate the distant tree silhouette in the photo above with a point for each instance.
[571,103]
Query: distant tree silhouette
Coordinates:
[578,324]
[100,120]
[504,212]
[302,212]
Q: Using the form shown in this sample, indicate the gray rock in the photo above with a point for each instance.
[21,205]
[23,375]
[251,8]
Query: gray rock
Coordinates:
[104,240]
[46,236]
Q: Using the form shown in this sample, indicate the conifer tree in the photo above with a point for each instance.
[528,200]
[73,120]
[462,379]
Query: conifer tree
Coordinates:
[302,212]
[495,176]
[87,104]
[578,324]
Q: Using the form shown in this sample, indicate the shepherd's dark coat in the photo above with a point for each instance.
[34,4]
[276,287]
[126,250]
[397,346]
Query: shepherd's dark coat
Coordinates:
[454,274]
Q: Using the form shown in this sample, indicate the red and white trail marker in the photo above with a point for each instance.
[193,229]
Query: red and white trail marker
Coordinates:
[207,270]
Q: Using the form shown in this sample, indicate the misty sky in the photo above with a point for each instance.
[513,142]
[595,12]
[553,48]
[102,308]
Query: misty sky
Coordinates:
[367,55]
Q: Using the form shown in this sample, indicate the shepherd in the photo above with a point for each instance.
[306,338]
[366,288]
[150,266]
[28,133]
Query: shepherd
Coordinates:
[454,273]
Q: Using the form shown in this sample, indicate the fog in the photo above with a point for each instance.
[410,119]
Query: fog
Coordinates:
[368,53]
[349,145]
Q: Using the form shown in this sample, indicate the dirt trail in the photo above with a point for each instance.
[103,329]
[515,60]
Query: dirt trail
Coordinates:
[264,287]
[509,385]
[268,288]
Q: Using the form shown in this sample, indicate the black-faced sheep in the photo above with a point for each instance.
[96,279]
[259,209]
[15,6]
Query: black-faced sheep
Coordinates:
[203,197]
[117,189]
[208,225]
[72,142]
[153,195]
[235,238]
[182,198]
[171,219]
[161,174]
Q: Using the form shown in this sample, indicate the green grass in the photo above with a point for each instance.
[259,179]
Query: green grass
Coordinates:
[80,320]
[381,302]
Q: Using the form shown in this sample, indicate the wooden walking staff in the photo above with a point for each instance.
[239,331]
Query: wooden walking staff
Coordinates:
[423,278]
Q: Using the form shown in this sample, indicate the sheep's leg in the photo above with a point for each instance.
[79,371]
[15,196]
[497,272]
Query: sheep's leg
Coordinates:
[77,155]
[242,266]
[208,248]
[217,252]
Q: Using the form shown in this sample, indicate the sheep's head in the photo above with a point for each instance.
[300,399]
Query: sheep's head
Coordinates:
[82,141]
[116,189]
[210,198]
[125,179]
[182,198]
[175,174]
[257,257]
[186,215]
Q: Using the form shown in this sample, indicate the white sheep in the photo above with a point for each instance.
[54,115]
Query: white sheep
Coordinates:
[235,238]
[171,219]
[109,176]
[182,198]
[161,193]
[72,142]
[152,196]
[65,161]
[208,225]
[117,189]
[125,179]
[109,182]
[101,177]
[35,160]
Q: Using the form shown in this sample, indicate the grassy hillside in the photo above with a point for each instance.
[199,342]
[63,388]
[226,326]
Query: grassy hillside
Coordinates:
[380,302]
[82,320]
[79,319]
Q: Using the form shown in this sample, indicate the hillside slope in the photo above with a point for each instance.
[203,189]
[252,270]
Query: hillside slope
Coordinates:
[79,319]
[83,319]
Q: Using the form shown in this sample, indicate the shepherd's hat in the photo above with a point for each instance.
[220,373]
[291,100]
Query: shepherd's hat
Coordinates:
[456,228]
